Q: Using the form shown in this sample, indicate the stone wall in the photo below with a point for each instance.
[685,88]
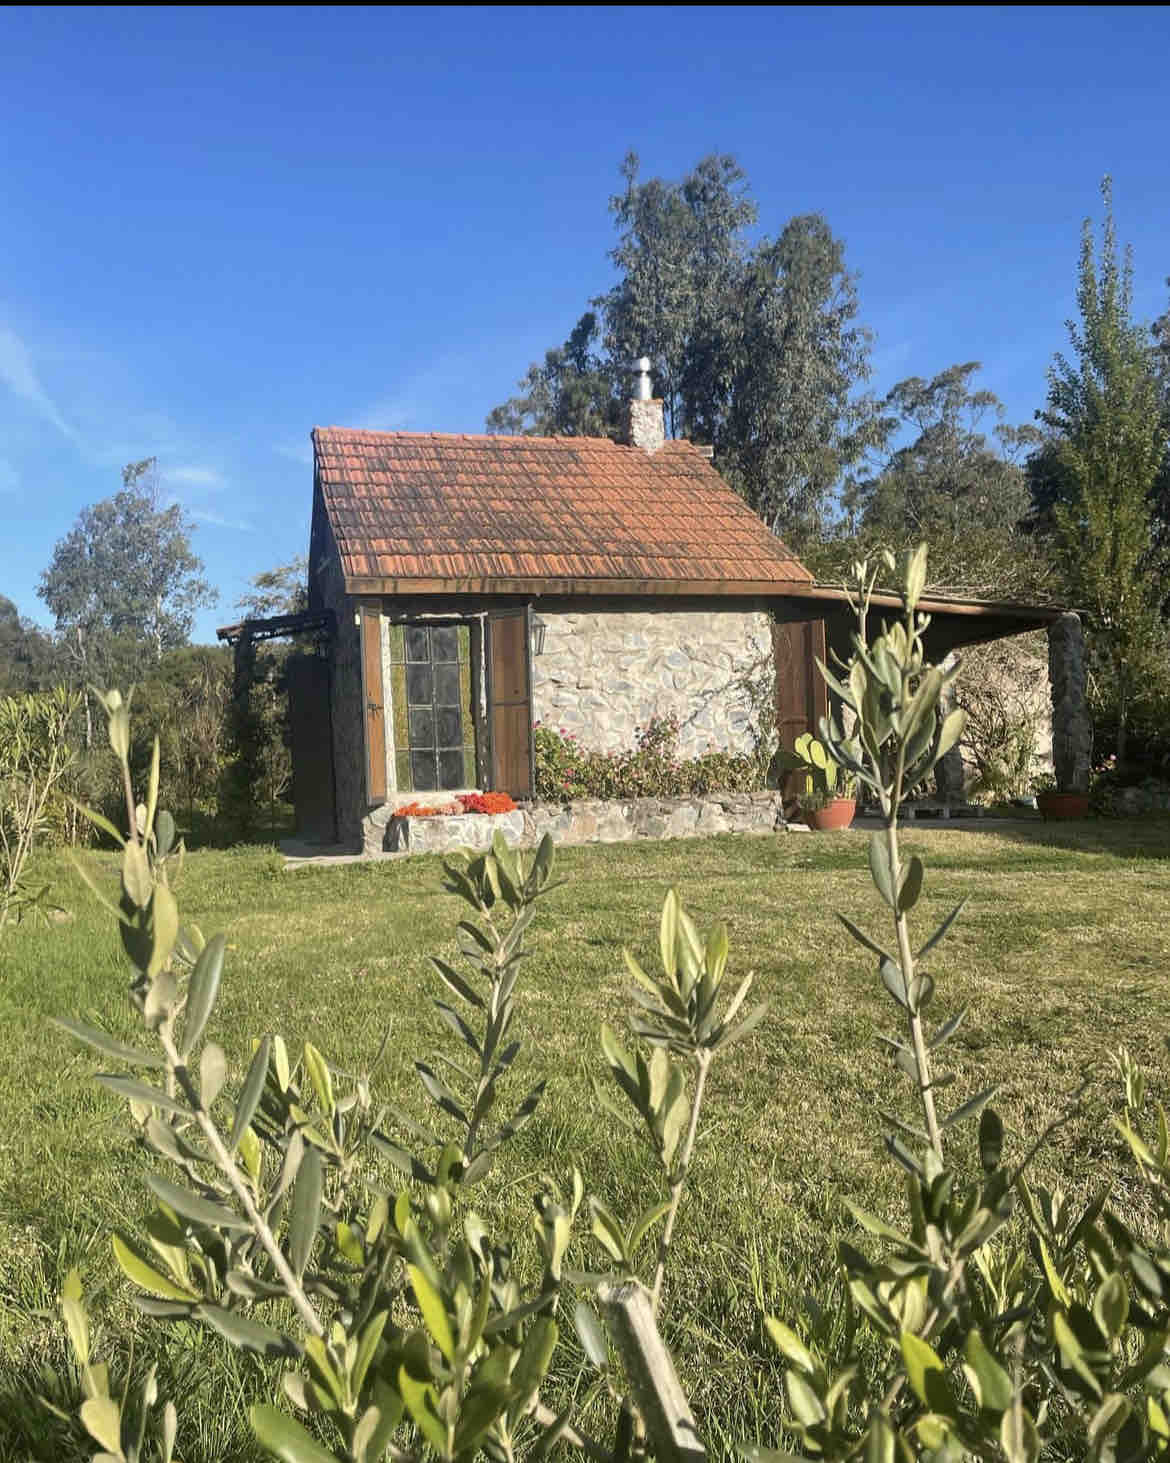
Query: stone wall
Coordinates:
[604,675]
[1003,685]
[587,821]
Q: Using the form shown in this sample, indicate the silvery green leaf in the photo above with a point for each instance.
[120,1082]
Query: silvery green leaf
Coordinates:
[911,885]
[894,981]
[203,991]
[879,868]
[141,1092]
[109,1046]
[212,1073]
[252,1092]
[947,1029]
[306,1210]
[862,938]
[246,1332]
[591,1335]
[942,929]
[193,1206]
[921,991]
[971,1106]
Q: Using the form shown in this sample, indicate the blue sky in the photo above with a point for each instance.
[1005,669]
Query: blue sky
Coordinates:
[222,227]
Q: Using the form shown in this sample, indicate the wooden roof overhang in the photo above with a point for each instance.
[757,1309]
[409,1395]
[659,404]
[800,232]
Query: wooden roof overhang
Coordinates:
[954,621]
[275,625]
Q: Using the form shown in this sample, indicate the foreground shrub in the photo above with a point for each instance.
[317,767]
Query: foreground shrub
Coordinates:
[302,1220]
[36,757]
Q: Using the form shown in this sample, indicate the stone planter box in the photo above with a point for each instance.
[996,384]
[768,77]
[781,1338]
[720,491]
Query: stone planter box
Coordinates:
[587,821]
[462,830]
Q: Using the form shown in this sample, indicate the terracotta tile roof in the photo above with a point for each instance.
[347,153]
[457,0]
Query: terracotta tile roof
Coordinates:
[552,512]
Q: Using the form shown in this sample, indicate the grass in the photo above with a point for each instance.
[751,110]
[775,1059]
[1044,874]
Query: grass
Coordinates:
[1060,953]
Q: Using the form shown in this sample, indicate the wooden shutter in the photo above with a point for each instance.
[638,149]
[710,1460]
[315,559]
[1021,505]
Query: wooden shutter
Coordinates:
[373,701]
[510,701]
[802,697]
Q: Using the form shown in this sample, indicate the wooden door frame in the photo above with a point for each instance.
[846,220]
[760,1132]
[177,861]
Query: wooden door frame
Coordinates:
[369,615]
[501,613]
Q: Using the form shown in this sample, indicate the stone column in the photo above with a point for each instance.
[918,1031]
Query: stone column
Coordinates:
[948,770]
[1072,731]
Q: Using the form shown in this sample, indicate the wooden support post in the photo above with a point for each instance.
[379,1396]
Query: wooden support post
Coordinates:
[654,1384]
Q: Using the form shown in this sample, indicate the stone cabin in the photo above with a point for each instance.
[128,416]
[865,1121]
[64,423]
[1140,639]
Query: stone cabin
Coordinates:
[466,588]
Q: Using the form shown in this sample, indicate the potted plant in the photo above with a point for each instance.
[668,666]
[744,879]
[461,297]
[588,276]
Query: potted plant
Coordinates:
[1056,802]
[828,793]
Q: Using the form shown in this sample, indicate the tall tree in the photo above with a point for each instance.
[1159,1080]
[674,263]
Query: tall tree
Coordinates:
[279,591]
[572,394]
[795,420]
[953,483]
[1107,415]
[124,581]
[755,346]
[681,255]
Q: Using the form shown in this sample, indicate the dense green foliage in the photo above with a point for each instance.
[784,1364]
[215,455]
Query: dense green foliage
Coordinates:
[28,658]
[950,483]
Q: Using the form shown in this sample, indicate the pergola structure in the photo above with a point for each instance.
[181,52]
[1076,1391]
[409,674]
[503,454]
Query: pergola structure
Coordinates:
[817,621]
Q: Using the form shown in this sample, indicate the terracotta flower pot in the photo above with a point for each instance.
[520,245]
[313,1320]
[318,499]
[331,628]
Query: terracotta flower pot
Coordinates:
[837,814]
[1063,804]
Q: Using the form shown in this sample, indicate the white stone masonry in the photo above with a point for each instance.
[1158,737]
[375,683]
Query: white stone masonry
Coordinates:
[603,676]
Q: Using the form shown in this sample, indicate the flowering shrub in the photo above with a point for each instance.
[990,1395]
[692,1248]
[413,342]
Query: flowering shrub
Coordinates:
[485,802]
[565,770]
[465,802]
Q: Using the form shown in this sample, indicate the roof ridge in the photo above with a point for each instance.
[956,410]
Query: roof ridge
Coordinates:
[509,438]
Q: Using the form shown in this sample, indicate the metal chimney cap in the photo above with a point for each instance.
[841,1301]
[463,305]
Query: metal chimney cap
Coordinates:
[643,390]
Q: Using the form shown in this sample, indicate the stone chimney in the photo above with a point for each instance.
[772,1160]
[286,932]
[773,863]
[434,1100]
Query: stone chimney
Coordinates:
[644,422]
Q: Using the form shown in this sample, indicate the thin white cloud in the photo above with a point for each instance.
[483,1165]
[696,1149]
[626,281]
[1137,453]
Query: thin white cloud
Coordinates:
[300,452]
[397,415]
[194,477]
[18,373]
[216,520]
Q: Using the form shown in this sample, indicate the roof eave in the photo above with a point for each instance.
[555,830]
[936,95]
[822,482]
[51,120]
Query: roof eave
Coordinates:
[474,584]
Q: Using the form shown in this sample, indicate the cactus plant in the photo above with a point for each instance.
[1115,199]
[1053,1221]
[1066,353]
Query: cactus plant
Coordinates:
[824,778]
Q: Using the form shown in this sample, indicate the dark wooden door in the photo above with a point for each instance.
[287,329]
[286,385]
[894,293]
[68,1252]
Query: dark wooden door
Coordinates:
[510,701]
[802,697]
[311,742]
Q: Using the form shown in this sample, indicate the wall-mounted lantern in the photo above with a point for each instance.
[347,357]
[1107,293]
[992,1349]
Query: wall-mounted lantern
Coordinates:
[538,628]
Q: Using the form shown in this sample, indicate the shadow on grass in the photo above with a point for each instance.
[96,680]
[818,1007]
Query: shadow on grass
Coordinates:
[200,830]
[1142,837]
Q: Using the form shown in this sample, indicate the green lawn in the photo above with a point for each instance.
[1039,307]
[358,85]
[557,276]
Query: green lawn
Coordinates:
[1061,954]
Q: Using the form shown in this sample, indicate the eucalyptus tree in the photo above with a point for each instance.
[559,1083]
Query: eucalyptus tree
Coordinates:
[124,582]
[755,344]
